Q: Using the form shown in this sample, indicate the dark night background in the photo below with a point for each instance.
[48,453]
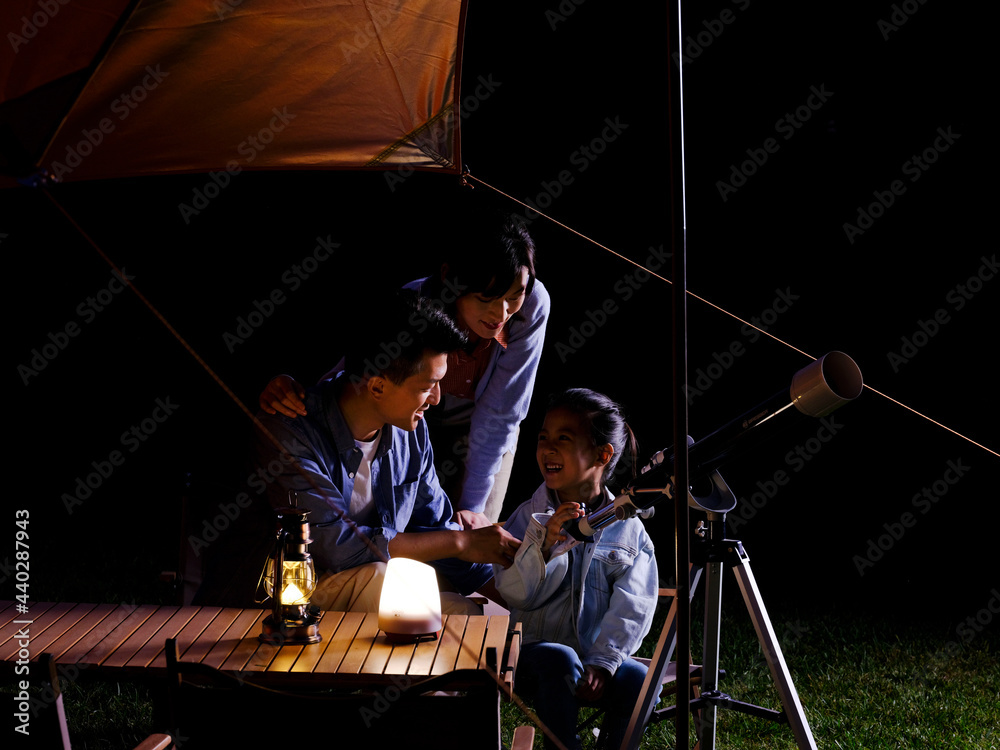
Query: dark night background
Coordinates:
[557,79]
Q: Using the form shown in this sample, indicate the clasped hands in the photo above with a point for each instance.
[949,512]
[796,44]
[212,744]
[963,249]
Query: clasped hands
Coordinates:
[590,688]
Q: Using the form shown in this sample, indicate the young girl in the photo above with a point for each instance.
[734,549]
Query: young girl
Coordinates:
[585,608]
[487,284]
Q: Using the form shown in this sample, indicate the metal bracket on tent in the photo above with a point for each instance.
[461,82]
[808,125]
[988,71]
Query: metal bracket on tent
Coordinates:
[40,179]
[463,179]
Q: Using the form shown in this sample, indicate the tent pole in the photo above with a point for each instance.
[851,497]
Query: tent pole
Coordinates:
[678,241]
[678,233]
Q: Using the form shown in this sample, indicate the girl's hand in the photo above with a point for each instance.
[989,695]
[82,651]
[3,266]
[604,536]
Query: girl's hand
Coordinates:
[554,527]
[590,688]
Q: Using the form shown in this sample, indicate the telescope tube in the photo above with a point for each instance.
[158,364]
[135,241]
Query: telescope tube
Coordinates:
[816,390]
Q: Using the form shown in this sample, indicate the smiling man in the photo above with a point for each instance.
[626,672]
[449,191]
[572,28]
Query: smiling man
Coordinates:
[361,462]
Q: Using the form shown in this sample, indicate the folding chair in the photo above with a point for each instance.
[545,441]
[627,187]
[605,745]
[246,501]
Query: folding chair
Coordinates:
[668,687]
[210,708]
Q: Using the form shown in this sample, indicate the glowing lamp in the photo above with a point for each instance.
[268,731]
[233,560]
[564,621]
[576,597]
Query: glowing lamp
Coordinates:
[290,579]
[410,605]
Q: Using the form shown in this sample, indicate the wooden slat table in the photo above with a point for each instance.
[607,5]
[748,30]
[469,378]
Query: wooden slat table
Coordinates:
[128,641]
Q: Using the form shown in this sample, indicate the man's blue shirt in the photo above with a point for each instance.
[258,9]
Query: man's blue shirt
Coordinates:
[318,460]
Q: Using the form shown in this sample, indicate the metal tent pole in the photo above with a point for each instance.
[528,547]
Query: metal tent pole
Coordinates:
[678,233]
[678,229]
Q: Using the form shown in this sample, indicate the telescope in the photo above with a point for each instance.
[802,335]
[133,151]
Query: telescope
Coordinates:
[816,390]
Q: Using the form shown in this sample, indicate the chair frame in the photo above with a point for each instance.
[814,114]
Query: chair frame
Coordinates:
[669,677]
[471,703]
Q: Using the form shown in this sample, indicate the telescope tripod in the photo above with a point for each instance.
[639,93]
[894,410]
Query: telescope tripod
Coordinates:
[710,551]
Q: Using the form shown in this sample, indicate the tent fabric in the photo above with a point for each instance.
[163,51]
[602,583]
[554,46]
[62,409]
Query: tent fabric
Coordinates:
[49,49]
[45,40]
[191,87]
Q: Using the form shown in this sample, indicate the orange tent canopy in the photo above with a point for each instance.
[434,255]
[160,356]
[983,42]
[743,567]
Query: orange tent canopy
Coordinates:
[177,86]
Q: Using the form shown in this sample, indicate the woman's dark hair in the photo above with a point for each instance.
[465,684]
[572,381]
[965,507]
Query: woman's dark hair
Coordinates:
[483,257]
[607,424]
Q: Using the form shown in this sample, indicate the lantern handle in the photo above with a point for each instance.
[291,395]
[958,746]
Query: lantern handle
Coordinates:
[279,568]
[263,571]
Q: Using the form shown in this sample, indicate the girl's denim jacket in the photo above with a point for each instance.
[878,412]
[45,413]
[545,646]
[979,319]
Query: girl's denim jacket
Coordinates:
[597,597]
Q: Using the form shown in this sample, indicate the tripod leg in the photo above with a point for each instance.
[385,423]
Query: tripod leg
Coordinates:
[794,713]
[710,652]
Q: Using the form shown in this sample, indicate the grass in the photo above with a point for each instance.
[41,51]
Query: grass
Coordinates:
[866,683]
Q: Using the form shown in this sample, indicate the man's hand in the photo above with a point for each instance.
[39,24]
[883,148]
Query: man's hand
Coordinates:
[469,519]
[283,394]
[489,544]
[554,527]
[590,688]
